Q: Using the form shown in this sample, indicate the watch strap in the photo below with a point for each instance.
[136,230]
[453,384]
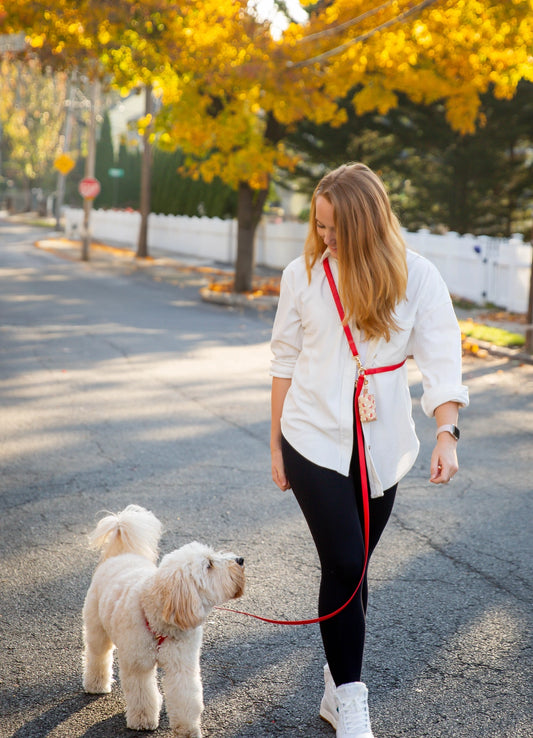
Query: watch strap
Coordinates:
[453,430]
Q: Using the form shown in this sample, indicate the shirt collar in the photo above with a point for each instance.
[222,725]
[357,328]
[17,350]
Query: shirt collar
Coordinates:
[325,255]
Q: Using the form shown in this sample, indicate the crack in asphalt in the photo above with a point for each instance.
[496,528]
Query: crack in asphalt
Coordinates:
[462,563]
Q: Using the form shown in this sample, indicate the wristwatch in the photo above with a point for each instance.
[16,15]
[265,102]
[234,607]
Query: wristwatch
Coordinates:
[452,429]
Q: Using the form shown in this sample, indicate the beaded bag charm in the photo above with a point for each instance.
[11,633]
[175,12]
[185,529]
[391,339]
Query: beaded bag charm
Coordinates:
[366,401]
[367,405]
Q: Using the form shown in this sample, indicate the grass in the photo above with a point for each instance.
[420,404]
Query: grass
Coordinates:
[495,336]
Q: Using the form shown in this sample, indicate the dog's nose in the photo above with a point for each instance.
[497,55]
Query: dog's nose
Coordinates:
[240,561]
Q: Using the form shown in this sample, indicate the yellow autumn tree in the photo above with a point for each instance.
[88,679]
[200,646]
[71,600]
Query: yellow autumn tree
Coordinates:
[128,44]
[31,117]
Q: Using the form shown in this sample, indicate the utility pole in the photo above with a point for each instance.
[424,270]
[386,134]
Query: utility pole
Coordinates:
[89,169]
[67,137]
[146,168]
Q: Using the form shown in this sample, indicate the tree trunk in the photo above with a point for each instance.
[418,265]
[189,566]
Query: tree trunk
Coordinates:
[146,169]
[249,211]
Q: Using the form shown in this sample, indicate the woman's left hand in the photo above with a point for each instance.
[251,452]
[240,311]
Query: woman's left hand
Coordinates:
[444,464]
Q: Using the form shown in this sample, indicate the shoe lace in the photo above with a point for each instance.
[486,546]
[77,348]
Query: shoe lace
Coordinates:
[354,713]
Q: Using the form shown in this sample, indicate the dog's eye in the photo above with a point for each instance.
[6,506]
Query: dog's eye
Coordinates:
[209,564]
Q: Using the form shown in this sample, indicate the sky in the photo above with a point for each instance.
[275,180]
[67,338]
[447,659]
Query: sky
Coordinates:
[266,10]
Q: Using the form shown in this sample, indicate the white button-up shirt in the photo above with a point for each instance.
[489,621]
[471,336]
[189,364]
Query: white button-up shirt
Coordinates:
[311,349]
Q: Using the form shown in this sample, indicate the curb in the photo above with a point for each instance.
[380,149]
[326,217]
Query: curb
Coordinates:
[234,299]
[506,353]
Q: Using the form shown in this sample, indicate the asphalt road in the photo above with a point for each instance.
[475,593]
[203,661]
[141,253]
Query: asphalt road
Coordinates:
[119,388]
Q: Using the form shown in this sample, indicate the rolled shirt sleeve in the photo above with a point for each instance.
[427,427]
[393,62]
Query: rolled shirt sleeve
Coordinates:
[435,344]
[287,332]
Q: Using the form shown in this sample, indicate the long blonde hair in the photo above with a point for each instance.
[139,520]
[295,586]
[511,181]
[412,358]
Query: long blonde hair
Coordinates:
[371,252]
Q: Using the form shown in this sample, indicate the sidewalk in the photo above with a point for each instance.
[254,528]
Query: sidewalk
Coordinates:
[184,271]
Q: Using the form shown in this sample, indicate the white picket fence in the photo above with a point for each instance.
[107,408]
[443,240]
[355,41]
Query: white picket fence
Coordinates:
[477,268]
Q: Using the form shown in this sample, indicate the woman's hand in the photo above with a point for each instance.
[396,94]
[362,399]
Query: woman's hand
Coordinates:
[278,470]
[280,387]
[444,463]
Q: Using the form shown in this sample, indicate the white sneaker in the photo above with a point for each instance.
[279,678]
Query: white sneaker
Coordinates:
[352,708]
[328,706]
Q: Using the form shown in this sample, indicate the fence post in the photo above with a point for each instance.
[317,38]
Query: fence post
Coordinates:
[529,316]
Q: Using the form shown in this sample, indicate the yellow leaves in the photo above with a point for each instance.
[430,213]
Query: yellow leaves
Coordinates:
[374,97]
[104,37]
[231,145]
[452,51]
[462,110]
[75,29]
[422,35]
[37,42]
[165,141]
[144,123]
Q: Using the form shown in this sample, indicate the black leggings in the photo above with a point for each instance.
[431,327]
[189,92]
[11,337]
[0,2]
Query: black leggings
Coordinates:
[332,506]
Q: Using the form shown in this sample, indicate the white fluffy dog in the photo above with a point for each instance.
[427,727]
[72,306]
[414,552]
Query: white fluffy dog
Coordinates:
[153,615]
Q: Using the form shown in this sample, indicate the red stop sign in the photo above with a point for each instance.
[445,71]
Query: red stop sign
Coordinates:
[89,188]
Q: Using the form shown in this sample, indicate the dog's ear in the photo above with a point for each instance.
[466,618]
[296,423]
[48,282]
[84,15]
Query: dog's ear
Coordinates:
[181,604]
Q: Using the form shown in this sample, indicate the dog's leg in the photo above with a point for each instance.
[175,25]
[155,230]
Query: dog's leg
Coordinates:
[143,699]
[182,685]
[97,654]
[184,703]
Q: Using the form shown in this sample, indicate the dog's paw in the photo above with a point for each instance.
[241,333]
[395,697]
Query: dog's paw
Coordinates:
[95,686]
[186,732]
[141,722]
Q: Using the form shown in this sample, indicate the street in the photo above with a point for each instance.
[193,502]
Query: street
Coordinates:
[117,388]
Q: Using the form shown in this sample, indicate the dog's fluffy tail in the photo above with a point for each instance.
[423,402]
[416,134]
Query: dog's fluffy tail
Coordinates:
[134,530]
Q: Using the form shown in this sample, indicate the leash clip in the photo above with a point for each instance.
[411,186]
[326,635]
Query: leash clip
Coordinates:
[360,369]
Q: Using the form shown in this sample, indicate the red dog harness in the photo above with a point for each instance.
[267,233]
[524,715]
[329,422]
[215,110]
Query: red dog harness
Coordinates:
[159,638]
[360,383]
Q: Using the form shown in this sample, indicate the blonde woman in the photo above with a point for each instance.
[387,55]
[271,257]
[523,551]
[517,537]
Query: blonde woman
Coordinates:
[351,309]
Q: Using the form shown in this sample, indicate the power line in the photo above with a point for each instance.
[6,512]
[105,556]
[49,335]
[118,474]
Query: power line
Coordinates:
[364,36]
[343,26]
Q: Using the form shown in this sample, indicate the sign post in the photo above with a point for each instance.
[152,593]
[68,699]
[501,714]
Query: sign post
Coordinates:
[116,174]
[89,187]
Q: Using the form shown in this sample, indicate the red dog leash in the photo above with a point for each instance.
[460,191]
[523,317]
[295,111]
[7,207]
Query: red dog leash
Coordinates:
[361,373]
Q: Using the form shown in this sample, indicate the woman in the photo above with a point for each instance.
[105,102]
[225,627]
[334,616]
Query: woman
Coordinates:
[393,304]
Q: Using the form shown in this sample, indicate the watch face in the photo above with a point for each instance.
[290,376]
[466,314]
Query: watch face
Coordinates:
[456,433]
